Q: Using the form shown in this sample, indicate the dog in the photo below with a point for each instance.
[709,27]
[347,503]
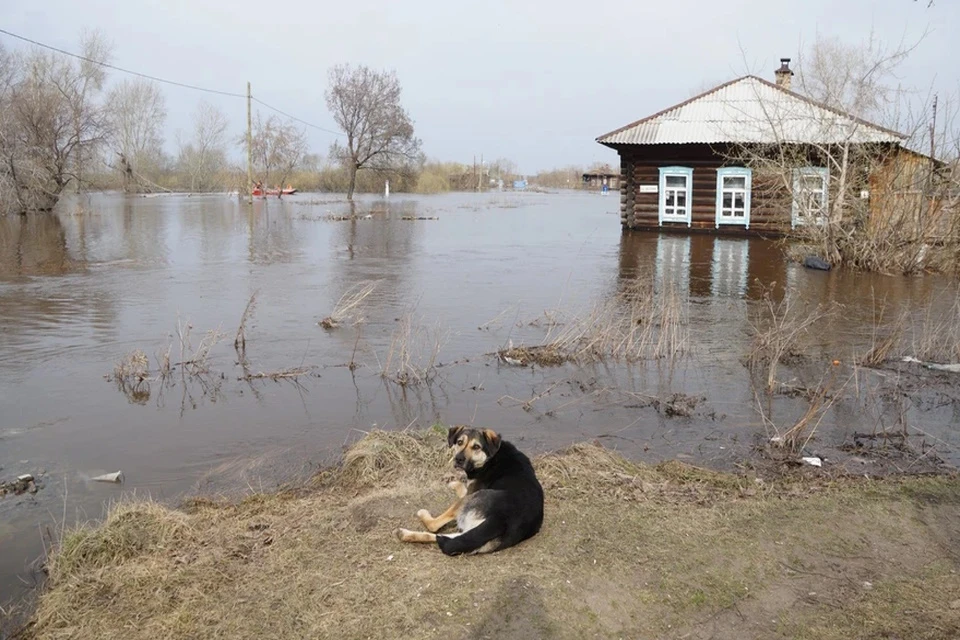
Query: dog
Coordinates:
[500,505]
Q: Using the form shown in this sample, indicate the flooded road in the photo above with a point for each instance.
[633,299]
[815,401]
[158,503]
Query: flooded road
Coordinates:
[469,273]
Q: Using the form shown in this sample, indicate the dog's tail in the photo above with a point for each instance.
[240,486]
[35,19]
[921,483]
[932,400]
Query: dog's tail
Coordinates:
[471,540]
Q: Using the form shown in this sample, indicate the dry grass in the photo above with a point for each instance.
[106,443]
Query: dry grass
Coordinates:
[885,340]
[936,336]
[194,361]
[931,335]
[627,550]
[134,377]
[412,357]
[778,330]
[349,308]
[240,340]
[132,373]
[281,374]
[637,324]
[820,400]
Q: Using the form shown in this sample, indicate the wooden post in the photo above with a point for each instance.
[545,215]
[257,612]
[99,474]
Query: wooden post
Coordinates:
[249,148]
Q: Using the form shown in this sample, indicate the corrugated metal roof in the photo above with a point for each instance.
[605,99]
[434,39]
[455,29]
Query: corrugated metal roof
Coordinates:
[750,110]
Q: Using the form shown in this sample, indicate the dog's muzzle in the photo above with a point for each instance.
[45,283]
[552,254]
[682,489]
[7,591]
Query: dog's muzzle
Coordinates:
[459,461]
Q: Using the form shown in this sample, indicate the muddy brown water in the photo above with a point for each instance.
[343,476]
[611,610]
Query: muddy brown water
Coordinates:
[110,274]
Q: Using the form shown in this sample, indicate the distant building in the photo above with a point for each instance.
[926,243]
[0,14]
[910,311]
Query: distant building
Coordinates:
[686,167]
[600,177]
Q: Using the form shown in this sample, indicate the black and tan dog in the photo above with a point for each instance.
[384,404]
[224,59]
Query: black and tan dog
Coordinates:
[500,505]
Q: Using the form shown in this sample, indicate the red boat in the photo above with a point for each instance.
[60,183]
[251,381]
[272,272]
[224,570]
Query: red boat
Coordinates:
[260,191]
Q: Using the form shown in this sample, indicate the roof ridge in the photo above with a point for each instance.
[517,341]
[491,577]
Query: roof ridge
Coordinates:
[823,105]
[767,83]
[676,106]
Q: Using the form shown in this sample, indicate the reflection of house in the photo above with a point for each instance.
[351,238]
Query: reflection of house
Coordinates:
[596,179]
[672,262]
[728,272]
[711,162]
[705,266]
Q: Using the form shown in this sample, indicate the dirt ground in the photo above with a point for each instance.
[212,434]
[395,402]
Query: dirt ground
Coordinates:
[627,551]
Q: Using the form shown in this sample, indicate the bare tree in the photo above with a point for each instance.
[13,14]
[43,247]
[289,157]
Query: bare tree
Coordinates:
[277,148]
[137,113]
[47,118]
[379,132]
[884,199]
[205,155]
[96,51]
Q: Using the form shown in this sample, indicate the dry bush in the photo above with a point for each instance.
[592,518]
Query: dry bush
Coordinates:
[796,438]
[778,328]
[413,353]
[194,361]
[132,375]
[638,323]
[349,307]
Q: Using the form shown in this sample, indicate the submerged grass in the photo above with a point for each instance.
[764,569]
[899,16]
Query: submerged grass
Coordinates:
[638,323]
[627,550]
[349,308]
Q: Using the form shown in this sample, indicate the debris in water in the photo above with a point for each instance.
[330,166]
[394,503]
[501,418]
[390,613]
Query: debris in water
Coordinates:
[23,483]
[116,476]
[935,366]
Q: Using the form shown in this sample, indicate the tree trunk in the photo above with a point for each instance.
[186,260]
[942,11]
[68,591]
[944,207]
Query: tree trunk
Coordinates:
[353,181]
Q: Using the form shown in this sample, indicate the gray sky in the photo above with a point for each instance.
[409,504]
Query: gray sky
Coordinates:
[532,81]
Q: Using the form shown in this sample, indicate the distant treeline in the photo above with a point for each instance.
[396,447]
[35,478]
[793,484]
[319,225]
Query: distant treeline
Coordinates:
[315,175]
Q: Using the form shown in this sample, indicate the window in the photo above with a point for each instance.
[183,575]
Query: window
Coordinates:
[810,195]
[733,196]
[675,185]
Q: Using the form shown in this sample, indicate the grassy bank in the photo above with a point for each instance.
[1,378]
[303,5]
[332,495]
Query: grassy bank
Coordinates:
[627,550]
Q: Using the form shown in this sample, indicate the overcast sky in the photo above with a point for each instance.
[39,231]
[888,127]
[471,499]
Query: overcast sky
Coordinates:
[533,81]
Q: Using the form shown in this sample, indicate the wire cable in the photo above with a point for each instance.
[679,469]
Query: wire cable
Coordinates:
[304,122]
[174,83]
[121,69]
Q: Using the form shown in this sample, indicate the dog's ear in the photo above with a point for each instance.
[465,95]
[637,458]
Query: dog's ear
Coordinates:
[453,434]
[493,441]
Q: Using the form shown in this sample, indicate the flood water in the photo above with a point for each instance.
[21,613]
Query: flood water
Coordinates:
[111,274]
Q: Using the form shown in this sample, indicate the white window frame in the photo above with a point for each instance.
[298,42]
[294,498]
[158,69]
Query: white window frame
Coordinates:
[734,172]
[686,173]
[797,219]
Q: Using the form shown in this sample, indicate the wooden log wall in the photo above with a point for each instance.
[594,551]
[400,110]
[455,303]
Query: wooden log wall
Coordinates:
[641,166]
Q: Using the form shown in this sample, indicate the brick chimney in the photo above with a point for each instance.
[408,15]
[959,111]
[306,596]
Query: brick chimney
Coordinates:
[784,74]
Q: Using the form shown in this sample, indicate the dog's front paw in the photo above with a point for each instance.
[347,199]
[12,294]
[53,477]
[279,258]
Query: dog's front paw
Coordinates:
[424,515]
[400,533]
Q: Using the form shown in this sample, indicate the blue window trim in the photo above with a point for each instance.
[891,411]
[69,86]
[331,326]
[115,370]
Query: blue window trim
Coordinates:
[725,172]
[799,172]
[675,171]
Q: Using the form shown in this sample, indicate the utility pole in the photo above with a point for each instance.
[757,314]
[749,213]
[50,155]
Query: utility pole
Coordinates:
[480,177]
[249,148]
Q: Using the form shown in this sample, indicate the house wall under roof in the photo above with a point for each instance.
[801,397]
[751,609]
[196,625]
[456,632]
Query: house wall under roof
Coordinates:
[642,191]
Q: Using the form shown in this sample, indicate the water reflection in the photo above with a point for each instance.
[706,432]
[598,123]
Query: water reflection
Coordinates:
[34,245]
[705,266]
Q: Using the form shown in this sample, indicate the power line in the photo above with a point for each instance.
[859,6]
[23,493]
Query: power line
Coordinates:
[304,122]
[184,85]
[121,69]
